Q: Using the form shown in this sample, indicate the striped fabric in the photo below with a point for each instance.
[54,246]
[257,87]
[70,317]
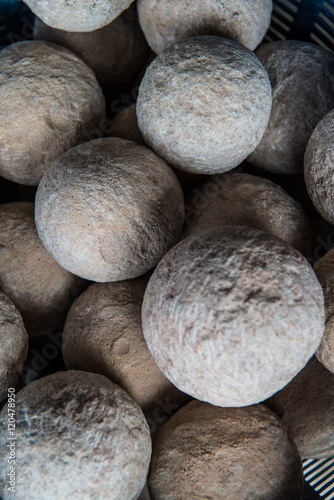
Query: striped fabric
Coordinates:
[319,474]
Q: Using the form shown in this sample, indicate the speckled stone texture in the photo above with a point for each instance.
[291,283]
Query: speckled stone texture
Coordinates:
[302,78]
[41,289]
[165,22]
[115,52]
[65,105]
[324,269]
[306,407]
[204,104]
[79,436]
[319,167]
[103,334]
[247,200]
[219,453]
[232,315]
[13,345]
[109,210]
[78,15]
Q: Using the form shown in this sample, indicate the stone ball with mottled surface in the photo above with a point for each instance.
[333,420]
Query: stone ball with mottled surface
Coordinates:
[109,210]
[79,436]
[216,453]
[115,52]
[78,15]
[41,289]
[230,316]
[204,104]
[13,345]
[306,407]
[50,101]
[247,200]
[302,79]
[168,21]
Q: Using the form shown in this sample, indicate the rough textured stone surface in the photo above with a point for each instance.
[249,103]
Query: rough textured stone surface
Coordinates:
[65,105]
[324,269]
[108,210]
[306,407]
[115,52]
[246,200]
[232,315]
[78,15]
[103,334]
[319,167]
[13,345]
[41,290]
[81,437]
[302,78]
[218,453]
[204,104]
[168,21]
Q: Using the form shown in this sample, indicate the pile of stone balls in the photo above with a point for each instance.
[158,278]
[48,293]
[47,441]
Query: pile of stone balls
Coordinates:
[197,324]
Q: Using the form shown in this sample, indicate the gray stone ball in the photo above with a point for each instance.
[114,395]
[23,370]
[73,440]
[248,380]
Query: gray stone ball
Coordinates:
[169,21]
[79,436]
[51,101]
[230,316]
[204,104]
[302,79]
[109,210]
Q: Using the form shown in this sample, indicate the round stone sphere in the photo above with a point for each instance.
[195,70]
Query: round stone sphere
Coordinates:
[81,435]
[319,167]
[324,269]
[65,105]
[13,345]
[41,290]
[306,407]
[80,15]
[115,52]
[204,104]
[302,78]
[232,315]
[219,453]
[109,210]
[169,21]
[247,200]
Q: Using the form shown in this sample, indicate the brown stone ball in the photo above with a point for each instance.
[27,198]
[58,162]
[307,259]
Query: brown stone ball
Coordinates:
[50,102]
[219,453]
[41,290]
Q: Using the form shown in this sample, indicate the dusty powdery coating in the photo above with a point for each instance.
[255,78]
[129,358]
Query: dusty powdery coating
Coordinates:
[242,199]
[79,434]
[50,101]
[13,345]
[165,22]
[78,15]
[41,289]
[319,167]
[302,77]
[103,334]
[109,210]
[204,104]
[306,407]
[218,453]
[115,52]
[232,315]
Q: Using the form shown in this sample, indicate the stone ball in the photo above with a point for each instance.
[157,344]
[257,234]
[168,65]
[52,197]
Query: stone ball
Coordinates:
[169,21]
[230,316]
[204,104]
[78,435]
[50,102]
[302,79]
[218,453]
[41,290]
[108,210]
